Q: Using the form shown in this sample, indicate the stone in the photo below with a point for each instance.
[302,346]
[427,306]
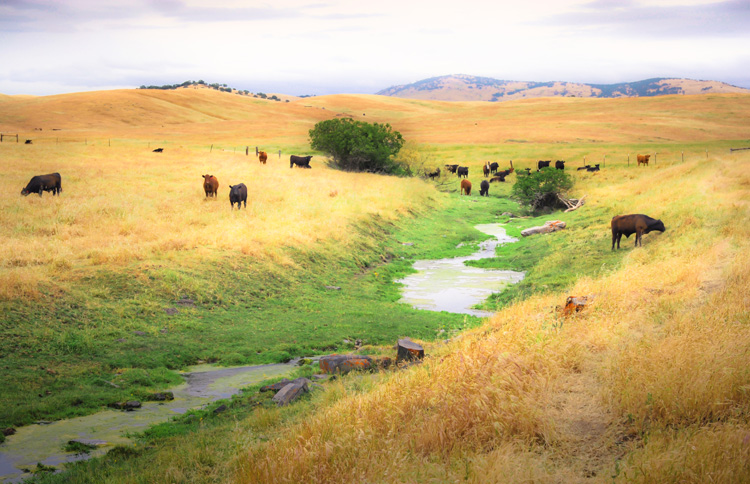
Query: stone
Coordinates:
[171,311]
[89,442]
[221,408]
[275,387]
[290,392]
[128,406]
[8,431]
[344,363]
[408,350]
[161,396]
[139,333]
[184,301]
[333,288]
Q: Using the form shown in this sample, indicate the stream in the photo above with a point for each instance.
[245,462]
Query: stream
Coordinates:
[439,285]
[452,286]
[44,442]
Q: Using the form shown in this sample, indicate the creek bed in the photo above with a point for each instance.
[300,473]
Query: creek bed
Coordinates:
[450,285]
[44,442]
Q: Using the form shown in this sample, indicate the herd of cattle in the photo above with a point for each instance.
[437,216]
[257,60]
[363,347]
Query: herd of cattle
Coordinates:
[626,225]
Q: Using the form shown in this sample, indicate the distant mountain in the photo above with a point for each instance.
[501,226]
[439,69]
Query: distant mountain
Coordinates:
[461,87]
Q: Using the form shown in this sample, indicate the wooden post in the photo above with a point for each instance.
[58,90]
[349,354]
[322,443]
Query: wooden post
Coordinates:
[212,149]
[279,154]
[706,154]
[683,157]
[628,159]
[604,162]
[247,150]
[655,153]
[256,151]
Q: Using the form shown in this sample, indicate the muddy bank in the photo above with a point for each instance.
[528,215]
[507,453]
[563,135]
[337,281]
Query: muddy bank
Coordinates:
[450,285]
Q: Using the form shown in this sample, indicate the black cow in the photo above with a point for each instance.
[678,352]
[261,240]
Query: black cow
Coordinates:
[484,188]
[584,167]
[543,164]
[593,168]
[158,150]
[497,178]
[462,171]
[238,195]
[560,164]
[47,183]
[27,142]
[493,167]
[434,174]
[637,224]
[451,168]
[301,161]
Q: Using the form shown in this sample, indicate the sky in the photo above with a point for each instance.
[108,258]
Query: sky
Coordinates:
[318,47]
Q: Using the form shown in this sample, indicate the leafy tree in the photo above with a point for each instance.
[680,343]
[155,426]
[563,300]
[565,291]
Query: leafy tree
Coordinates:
[540,190]
[359,146]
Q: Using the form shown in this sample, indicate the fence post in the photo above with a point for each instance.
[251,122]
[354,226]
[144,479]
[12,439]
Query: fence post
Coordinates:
[706,154]
[247,150]
[212,149]
[628,159]
[683,157]
[279,154]
[604,161]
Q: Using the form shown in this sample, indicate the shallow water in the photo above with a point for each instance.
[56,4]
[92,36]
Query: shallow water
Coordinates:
[44,442]
[450,285]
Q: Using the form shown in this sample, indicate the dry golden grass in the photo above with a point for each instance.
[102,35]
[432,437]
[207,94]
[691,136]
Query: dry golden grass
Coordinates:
[532,398]
[121,205]
[662,351]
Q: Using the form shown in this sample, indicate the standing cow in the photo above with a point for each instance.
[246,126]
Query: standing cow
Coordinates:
[262,157]
[643,159]
[238,195]
[637,224]
[211,186]
[44,183]
[465,187]
[462,171]
[301,161]
[484,189]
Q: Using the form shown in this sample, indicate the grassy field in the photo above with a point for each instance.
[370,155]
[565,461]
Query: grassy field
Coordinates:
[524,396]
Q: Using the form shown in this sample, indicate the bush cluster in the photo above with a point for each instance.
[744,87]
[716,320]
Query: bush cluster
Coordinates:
[359,146]
[540,190]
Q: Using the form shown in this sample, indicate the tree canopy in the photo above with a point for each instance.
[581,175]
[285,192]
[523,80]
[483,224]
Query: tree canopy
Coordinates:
[358,146]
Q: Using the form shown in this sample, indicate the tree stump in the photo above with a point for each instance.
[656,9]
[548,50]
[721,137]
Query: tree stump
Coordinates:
[408,350]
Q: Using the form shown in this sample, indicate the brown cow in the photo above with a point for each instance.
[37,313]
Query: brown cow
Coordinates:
[486,169]
[637,224]
[262,156]
[465,186]
[643,159]
[211,185]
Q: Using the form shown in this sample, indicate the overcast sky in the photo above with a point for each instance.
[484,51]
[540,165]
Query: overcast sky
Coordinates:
[362,46]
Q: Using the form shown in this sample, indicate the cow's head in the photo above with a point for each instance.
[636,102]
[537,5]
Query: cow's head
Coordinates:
[656,225]
[25,192]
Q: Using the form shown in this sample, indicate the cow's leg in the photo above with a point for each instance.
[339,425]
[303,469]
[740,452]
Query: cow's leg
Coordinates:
[614,238]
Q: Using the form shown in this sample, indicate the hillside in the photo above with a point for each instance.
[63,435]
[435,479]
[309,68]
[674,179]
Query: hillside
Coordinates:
[471,88]
[132,274]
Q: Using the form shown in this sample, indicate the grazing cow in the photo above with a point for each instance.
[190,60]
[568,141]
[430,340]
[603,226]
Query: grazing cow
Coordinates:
[451,168]
[637,224]
[462,171]
[593,168]
[434,174]
[301,161]
[543,164]
[44,183]
[584,167]
[505,173]
[497,178]
[27,142]
[158,150]
[484,188]
[486,169]
[560,164]
[262,157]
[465,187]
[493,167]
[238,195]
[211,185]
[643,159]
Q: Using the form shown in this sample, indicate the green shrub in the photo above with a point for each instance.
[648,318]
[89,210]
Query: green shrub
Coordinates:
[359,146]
[540,190]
